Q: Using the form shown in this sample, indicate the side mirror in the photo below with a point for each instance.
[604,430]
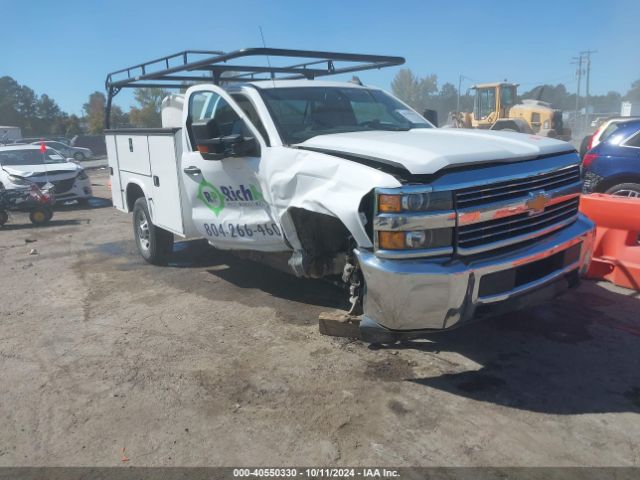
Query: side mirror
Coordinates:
[220,148]
[431,115]
[243,146]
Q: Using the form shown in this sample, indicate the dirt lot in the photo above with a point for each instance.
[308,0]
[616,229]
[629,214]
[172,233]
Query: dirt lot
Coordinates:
[218,361]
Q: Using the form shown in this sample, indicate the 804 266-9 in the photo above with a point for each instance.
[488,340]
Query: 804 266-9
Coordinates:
[235,230]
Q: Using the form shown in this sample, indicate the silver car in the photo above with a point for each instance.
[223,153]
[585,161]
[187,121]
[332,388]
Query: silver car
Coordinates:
[77,153]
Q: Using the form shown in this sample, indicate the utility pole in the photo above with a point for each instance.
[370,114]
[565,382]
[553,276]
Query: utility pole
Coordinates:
[578,61]
[459,87]
[587,55]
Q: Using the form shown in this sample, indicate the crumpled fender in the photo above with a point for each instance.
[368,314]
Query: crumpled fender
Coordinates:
[321,183]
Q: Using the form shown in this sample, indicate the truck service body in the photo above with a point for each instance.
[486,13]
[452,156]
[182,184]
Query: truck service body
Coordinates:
[429,227]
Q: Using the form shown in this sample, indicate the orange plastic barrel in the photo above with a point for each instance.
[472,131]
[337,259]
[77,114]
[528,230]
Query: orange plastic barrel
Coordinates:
[616,255]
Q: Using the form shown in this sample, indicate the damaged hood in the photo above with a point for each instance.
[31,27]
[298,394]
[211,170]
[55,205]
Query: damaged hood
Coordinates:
[428,150]
[41,170]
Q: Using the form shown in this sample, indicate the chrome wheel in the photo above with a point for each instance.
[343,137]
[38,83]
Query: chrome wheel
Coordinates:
[143,231]
[626,193]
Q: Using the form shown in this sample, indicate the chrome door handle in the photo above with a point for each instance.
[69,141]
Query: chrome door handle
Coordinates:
[192,171]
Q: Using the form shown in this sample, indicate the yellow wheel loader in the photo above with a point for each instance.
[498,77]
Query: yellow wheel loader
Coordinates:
[496,108]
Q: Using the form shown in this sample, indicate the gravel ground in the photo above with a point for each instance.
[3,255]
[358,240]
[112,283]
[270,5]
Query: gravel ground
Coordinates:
[218,361]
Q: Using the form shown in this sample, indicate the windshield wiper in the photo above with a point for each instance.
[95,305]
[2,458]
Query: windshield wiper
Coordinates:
[391,128]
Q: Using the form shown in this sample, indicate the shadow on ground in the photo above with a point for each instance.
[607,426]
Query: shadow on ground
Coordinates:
[577,354]
[572,356]
[25,224]
[89,204]
[262,285]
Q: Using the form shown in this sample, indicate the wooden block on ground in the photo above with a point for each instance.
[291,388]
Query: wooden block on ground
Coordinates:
[339,324]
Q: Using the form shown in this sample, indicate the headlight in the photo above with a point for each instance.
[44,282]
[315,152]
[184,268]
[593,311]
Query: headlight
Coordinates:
[18,180]
[82,175]
[415,202]
[546,125]
[415,239]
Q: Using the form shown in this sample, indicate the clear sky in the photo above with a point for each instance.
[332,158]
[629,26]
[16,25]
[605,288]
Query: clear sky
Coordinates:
[65,48]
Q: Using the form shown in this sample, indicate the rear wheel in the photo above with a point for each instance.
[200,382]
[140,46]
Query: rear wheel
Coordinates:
[40,215]
[631,190]
[154,244]
[79,156]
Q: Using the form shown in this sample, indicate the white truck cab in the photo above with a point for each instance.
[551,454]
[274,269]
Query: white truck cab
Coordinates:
[428,228]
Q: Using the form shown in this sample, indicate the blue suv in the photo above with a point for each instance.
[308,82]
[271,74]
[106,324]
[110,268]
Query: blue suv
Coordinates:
[613,166]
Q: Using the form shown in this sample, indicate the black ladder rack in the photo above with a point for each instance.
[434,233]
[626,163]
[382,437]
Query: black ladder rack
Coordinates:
[182,70]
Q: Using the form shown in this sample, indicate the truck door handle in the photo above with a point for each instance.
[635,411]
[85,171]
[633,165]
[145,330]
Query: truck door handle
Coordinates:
[192,171]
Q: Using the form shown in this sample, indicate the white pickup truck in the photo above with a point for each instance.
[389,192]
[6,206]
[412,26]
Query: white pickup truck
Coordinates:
[428,228]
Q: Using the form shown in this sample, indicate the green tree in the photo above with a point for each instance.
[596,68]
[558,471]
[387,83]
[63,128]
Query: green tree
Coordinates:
[94,112]
[446,101]
[633,95]
[148,111]
[119,119]
[413,90]
[72,126]
[9,114]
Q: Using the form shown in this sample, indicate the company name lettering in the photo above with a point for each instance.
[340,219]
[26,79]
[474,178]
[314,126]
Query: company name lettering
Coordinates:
[241,194]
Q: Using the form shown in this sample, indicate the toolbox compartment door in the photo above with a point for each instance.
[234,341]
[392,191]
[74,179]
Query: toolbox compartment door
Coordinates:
[133,153]
[114,172]
[165,200]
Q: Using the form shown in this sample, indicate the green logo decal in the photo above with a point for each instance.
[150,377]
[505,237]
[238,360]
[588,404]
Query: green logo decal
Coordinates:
[211,197]
[257,194]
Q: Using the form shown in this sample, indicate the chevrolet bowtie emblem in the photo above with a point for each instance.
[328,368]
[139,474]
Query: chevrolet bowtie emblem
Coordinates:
[537,202]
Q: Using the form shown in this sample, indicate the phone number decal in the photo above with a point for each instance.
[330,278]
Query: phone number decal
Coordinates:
[238,230]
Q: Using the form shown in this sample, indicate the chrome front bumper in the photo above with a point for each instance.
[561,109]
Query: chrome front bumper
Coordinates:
[434,294]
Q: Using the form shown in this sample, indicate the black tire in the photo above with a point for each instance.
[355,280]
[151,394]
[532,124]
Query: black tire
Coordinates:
[79,156]
[4,217]
[583,146]
[40,215]
[154,244]
[625,190]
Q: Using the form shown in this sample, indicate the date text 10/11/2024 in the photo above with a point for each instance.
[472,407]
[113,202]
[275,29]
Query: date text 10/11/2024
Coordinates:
[317,472]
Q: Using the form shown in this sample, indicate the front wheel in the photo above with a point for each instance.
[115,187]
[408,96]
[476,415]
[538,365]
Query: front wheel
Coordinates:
[4,217]
[40,215]
[154,244]
[631,190]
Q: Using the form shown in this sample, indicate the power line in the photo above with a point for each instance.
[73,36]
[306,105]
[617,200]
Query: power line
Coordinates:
[578,61]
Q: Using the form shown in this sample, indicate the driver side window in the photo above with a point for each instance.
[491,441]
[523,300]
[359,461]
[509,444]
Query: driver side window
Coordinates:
[214,126]
[485,103]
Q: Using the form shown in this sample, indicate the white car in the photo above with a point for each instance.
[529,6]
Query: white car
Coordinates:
[22,165]
[77,153]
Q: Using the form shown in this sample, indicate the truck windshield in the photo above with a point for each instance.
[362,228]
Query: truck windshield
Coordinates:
[30,157]
[304,112]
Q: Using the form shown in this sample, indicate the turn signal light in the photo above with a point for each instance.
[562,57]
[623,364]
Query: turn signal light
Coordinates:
[391,240]
[389,203]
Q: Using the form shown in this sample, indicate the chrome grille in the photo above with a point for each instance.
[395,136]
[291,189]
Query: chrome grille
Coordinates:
[508,190]
[486,233]
[496,215]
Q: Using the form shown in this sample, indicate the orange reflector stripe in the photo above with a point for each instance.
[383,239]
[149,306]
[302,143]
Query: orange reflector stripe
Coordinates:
[389,203]
[391,240]
[203,149]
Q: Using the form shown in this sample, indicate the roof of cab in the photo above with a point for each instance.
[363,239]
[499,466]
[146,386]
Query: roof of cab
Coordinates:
[303,83]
